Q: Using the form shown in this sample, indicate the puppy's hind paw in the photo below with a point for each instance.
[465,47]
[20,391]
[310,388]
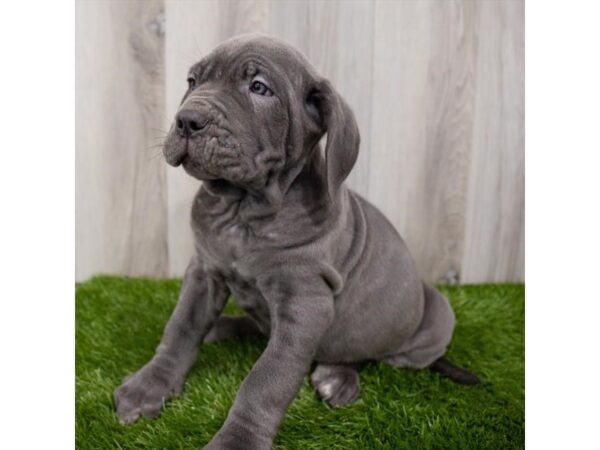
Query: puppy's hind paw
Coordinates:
[338,385]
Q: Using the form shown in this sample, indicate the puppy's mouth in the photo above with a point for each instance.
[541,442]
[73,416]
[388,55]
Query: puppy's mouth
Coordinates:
[180,160]
[193,155]
[195,170]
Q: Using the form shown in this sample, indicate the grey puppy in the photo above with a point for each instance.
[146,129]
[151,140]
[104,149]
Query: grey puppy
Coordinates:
[317,268]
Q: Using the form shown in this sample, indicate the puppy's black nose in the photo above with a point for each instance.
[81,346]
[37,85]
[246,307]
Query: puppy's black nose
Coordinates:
[189,122]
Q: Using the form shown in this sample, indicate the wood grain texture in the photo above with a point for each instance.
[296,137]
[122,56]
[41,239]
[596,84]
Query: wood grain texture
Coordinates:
[436,87]
[430,143]
[441,190]
[402,47]
[120,184]
[495,215]
[295,31]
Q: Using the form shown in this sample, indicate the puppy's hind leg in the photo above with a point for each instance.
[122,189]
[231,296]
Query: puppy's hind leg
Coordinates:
[232,327]
[336,384]
[427,347]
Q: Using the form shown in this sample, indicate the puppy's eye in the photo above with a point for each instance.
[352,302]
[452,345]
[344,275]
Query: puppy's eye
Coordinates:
[260,88]
[191,83]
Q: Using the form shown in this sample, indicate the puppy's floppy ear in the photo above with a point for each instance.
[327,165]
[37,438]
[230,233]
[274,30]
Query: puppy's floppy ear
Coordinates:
[332,112]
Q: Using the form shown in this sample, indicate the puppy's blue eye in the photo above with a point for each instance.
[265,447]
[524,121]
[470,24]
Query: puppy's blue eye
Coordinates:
[191,83]
[260,88]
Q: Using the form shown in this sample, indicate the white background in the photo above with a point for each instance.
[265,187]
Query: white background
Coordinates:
[37,225]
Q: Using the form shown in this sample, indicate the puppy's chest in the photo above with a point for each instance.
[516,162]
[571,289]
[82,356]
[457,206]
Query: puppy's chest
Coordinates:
[221,238]
[228,251]
[249,298]
[224,249]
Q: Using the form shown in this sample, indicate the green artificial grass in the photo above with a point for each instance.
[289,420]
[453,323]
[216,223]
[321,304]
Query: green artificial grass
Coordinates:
[120,320]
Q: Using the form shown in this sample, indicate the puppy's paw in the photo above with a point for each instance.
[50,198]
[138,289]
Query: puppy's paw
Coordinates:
[337,385]
[237,436]
[144,393]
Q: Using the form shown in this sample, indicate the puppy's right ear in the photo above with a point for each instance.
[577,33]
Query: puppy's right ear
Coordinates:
[333,114]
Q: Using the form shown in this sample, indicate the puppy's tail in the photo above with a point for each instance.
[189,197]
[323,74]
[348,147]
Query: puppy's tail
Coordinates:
[455,373]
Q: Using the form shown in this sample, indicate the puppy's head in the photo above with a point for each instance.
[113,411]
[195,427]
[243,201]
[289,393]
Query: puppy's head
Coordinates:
[252,115]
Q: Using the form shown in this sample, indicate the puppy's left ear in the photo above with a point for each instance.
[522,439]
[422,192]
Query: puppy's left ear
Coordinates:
[343,138]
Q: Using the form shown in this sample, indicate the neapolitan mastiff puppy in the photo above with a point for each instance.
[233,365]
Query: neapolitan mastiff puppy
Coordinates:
[316,267]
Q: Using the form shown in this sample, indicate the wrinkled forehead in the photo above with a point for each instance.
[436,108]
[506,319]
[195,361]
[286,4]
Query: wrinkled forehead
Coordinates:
[265,54]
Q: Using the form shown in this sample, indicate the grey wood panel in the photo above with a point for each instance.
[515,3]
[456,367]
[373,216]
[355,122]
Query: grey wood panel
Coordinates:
[438,213]
[243,16]
[120,195]
[495,222]
[401,53]
[424,95]
[402,47]
[289,20]
[450,103]
[436,86]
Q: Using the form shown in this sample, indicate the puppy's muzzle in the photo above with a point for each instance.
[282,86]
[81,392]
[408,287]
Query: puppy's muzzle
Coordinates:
[190,122]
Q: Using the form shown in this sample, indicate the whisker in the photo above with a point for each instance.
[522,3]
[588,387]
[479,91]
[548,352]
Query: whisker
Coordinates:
[153,155]
[160,130]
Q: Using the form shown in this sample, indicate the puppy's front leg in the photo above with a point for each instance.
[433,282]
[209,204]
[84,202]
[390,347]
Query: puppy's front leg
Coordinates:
[201,300]
[301,310]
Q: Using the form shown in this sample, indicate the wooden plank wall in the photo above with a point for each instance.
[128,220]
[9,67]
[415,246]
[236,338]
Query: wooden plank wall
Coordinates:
[437,88]
[120,182]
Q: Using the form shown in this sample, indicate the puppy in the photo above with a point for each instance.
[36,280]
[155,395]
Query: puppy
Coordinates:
[317,268]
